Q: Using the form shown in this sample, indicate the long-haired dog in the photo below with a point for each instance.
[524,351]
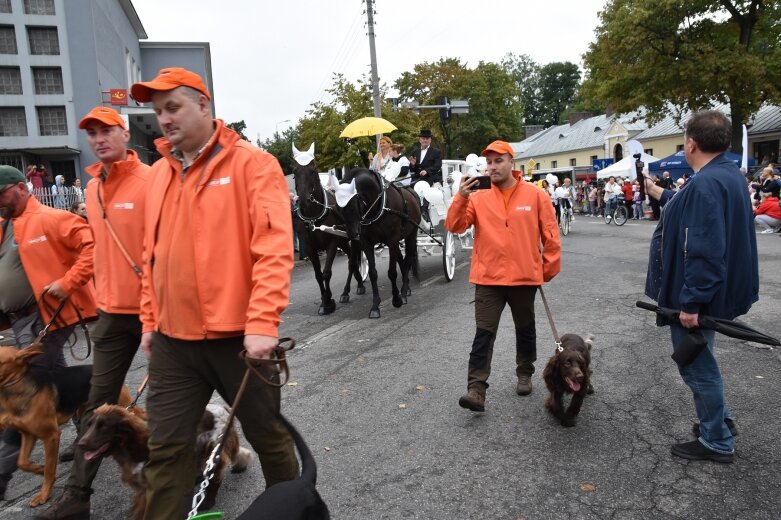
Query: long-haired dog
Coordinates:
[569,372]
[114,431]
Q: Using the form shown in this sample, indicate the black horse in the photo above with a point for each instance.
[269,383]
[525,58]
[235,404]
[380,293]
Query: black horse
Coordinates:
[380,213]
[316,206]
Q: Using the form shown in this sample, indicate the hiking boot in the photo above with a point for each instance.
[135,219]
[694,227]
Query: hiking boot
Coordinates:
[67,454]
[695,450]
[71,505]
[473,400]
[524,386]
[733,428]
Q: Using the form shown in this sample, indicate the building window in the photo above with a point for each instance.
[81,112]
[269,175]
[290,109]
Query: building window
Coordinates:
[648,151]
[52,121]
[10,80]
[12,121]
[7,39]
[48,80]
[43,40]
[594,158]
[573,162]
[13,159]
[678,148]
[554,164]
[38,6]
[5,6]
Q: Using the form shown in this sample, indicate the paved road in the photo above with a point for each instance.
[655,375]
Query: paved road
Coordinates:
[377,402]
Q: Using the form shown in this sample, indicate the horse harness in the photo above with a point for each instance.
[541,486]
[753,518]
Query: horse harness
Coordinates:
[310,221]
[384,207]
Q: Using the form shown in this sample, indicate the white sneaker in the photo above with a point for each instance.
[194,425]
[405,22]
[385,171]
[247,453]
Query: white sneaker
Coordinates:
[609,218]
[767,231]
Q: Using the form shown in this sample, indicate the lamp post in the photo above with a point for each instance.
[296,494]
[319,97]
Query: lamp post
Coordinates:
[276,131]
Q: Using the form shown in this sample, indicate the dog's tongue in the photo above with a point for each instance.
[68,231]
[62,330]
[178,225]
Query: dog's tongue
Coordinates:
[89,455]
[574,385]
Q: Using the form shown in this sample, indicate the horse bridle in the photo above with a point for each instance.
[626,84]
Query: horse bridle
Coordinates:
[316,220]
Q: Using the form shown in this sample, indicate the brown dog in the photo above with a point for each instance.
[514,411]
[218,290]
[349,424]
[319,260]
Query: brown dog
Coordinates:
[36,402]
[569,372]
[113,431]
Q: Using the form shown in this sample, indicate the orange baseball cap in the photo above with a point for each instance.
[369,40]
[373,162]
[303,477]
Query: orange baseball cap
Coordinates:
[107,116]
[499,147]
[168,79]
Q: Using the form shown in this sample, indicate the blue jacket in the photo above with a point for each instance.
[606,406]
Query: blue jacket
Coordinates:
[704,251]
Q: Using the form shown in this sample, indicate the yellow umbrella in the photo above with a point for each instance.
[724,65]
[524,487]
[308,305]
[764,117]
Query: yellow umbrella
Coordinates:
[367,126]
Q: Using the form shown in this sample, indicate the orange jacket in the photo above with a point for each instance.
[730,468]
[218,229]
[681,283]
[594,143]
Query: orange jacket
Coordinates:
[55,245]
[507,241]
[123,193]
[239,217]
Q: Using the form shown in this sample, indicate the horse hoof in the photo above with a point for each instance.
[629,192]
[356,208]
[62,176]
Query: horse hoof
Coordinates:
[345,298]
[408,292]
[404,300]
[374,313]
[360,290]
[327,308]
[398,301]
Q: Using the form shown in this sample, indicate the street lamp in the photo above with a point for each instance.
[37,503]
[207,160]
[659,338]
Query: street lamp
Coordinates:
[276,131]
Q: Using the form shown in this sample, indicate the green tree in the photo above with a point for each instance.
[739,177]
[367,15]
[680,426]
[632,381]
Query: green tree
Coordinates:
[666,54]
[238,127]
[557,87]
[525,73]
[280,146]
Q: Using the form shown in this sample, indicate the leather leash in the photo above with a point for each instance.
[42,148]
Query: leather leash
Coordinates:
[55,315]
[140,391]
[550,320]
[277,363]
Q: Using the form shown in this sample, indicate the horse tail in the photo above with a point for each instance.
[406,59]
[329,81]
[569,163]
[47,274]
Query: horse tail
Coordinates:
[411,250]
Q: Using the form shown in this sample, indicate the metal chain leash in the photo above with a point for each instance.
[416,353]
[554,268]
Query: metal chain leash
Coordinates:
[207,476]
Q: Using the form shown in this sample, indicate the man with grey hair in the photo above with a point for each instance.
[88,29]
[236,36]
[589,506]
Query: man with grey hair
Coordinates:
[704,263]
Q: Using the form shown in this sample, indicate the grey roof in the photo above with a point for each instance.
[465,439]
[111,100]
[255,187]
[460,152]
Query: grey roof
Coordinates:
[585,134]
[590,133]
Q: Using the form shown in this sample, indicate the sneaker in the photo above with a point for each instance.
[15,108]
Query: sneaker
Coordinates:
[767,231]
[524,386]
[70,505]
[733,428]
[473,400]
[695,450]
[608,219]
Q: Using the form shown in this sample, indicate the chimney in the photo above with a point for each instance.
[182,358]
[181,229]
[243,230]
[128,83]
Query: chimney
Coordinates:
[530,130]
[574,117]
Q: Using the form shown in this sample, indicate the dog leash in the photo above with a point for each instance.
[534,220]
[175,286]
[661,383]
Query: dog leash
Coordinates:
[278,364]
[55,314]
[550,320]
[140,391]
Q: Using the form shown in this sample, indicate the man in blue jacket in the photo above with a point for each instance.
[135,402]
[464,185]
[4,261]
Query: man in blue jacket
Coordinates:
[703,260]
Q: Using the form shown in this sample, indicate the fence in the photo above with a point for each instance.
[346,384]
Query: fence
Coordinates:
[63,199]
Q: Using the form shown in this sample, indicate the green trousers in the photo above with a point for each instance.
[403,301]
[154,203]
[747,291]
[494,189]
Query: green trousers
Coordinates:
[182,378]
[116,338]
[490,301]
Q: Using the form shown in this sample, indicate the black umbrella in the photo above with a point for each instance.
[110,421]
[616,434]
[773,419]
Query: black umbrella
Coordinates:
[731,328]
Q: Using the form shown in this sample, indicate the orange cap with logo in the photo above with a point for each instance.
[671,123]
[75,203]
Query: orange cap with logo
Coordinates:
[499,147]
[107,116]
[168,79]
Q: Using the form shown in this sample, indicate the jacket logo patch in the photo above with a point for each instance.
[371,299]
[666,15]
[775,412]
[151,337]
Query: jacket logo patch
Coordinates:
[37,240]
[523,208]
[123,205]
[218,182]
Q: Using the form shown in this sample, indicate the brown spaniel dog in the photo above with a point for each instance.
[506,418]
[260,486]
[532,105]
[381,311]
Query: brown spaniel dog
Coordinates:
[569,372]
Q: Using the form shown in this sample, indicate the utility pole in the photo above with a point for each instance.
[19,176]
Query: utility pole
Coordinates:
[373,56]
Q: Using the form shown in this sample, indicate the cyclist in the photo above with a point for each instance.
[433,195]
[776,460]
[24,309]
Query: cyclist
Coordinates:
[566,197]
[611,197]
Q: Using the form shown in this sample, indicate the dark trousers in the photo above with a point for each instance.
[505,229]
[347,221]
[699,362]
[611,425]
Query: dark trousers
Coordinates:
[26,330]
[182,378]
[490,301]
[116,338]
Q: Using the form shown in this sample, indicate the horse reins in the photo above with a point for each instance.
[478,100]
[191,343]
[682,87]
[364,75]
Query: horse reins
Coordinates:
[550,320]
[278,364]
[311,222]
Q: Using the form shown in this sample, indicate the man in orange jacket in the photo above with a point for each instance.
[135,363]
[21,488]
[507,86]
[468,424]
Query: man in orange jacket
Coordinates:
[45,257]
[512,220]
[218,256]
[115,208]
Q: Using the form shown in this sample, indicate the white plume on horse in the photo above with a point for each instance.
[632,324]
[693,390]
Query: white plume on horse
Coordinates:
[345,192]
[304,158]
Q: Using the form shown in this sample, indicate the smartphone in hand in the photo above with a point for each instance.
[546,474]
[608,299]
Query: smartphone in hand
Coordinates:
[483,182]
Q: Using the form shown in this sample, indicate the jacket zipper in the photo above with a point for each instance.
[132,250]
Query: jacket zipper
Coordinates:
[686,243]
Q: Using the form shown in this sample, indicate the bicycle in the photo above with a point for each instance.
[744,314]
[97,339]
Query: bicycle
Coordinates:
[619,214]
[565,220]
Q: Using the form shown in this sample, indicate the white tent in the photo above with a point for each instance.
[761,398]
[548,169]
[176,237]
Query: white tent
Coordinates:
[625,168]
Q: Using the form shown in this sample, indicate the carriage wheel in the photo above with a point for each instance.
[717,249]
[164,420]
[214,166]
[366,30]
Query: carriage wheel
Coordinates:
[449,255]
[363,267]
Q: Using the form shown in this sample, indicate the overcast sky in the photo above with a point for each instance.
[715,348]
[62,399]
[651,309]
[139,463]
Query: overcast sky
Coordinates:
[271,59]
